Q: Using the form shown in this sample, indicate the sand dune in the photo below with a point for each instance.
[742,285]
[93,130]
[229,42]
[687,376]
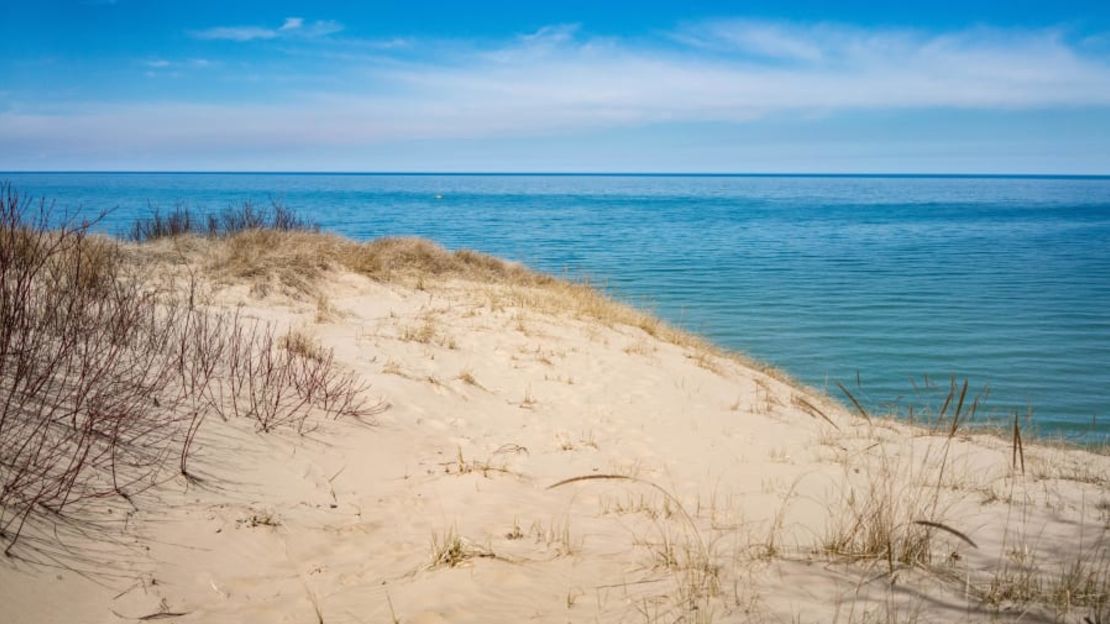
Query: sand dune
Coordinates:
[533,462]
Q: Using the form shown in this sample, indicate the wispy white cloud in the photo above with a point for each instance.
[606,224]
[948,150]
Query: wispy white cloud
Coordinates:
[740,70]
[292,23]
[320,28]
[558,80]
[553,34]
[235,33]
[291,27]
[159,67]
[760,39]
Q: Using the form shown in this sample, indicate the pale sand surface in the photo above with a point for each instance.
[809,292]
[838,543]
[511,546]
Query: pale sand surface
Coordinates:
[737,486]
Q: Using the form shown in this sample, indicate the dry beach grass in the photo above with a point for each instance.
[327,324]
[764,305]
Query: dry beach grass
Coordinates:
[537,451]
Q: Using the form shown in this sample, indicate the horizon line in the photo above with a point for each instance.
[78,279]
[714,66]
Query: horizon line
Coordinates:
[600,174]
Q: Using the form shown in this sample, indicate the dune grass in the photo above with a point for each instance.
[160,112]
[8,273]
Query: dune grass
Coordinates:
[294,261]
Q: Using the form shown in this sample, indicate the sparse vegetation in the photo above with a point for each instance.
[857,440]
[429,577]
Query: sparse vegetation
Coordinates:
[557,536]
[450,550]
[182,221]
[325,311]
[467,378]
[294,256]
[529,400]
[896,514]
[106,380]
[685,553]
[877,521]
[303,345]
[1080,585]
[707,359]
[896,518]
[263,518]
[462,466]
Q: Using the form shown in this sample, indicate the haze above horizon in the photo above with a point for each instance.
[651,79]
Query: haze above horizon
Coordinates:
[649,88]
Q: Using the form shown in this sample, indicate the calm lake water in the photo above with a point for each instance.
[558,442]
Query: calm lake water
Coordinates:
[1003,281]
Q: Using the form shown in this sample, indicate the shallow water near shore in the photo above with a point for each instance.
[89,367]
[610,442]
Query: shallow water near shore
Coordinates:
[876,282]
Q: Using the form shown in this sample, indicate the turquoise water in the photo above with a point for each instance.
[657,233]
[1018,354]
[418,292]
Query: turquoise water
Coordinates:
[1004,281]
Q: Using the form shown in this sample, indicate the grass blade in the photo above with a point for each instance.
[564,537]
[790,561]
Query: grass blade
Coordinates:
[859,407]
[948,529]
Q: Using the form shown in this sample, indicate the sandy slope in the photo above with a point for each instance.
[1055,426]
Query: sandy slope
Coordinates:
[737,486]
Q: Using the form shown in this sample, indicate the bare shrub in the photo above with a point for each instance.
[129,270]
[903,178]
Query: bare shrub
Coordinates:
[77,371]
[104,382]
[181,220]
[178,221]
[278,382]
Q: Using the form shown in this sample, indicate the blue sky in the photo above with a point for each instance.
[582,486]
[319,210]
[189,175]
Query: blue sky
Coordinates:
[991,87]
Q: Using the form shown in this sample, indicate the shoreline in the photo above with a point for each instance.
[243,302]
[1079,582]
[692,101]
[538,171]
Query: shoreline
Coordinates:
[1000,427]
[794,307]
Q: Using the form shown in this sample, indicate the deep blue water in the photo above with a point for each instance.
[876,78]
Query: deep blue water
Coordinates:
[1004,281]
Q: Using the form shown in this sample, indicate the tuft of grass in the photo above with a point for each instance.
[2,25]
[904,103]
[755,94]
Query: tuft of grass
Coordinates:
[450,550]
[461,466]
[585,440]
[393,367]
[303,345]
[515,533]
[639,347]
[766,398]
[529,401]
[889,518]
[557,535]
[467,378]
[264,518]
[637,504]
[325,311]
[706,359]
[812,410]
[1079,586]
[423,333]
[693,563]
[427,332]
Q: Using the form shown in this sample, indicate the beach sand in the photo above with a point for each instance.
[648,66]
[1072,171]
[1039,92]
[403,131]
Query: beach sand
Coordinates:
[534,462]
